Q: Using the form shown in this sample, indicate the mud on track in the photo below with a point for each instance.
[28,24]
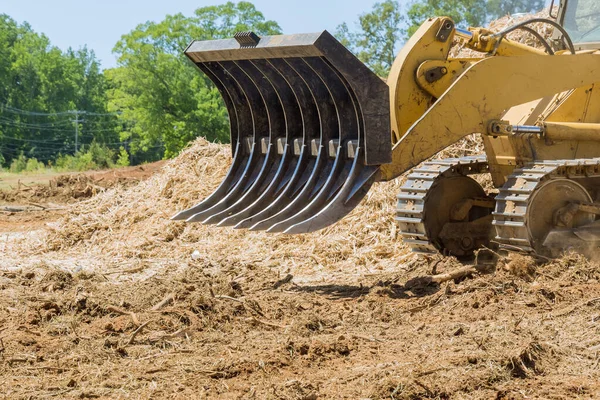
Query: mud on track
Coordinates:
[107,302]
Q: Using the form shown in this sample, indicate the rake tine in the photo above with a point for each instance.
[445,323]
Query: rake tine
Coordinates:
[354,190]
[309,130]
[259,162]
[322,165]
[348,129]
[296,177]
[268,146]
[239,115]
[291,126]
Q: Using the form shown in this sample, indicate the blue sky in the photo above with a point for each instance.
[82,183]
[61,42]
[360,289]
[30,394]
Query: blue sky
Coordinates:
[100,24]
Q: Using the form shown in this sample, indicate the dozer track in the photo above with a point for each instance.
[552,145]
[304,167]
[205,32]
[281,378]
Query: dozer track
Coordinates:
[415,212]
[526,205]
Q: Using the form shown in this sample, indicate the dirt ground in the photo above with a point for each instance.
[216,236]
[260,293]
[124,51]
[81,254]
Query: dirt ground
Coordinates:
[46,196]
[104,297]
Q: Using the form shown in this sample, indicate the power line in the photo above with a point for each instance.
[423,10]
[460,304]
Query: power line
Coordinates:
[61,126]
[25,125]
[5,107]
[41,125]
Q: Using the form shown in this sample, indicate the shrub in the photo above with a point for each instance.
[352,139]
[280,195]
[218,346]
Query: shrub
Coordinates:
[123,159]
[78,162]
[24,164]
[18,164]
[96,156]
[33,165]
[101,155]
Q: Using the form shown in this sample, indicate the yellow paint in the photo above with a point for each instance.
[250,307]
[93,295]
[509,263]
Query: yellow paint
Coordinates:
[512,82]
[407,100]
[453,70]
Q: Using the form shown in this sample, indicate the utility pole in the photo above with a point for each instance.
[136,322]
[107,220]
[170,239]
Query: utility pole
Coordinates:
[76,131]
[77,121]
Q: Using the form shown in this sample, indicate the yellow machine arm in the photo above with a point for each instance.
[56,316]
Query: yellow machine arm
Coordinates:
[474,92]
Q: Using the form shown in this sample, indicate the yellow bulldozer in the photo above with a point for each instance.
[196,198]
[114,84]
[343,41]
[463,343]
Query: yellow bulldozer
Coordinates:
[312,129]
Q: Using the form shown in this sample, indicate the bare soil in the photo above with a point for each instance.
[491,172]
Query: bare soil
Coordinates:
[107,298]
[67,187]
[47,196]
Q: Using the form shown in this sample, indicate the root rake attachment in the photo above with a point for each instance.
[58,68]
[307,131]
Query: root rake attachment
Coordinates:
[309,129]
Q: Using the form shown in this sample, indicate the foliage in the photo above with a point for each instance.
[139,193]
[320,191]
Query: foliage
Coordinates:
[469,12]
[380,32]
[33,165]
[122,158]
[18,164]
[94,156]
[78,162]
[38,83]
[156,101]
[500,8]
[23,164]
[165,101]
[379,36]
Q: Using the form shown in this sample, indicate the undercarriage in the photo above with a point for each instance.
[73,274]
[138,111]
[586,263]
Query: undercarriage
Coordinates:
[544,208]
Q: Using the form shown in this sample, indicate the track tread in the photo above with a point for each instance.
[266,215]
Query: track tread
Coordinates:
[512,203]
[411,199]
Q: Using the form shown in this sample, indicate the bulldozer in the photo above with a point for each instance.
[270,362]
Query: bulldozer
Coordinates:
[313,128]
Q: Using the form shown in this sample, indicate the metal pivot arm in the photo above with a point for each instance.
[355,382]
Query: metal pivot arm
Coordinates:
[408,100]
[482,94]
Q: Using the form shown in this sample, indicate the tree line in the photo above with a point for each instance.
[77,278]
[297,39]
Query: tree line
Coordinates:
[60,107]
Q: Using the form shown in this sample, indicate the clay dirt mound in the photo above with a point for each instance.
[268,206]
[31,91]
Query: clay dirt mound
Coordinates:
[76,186]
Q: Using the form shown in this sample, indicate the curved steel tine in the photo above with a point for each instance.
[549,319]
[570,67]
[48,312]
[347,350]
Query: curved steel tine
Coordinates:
[315,89]
[304,167]
[260,128]
[299,177]
[349,129]
[277,128]
[354,190]
[329,128]
[239,115]
[293,124]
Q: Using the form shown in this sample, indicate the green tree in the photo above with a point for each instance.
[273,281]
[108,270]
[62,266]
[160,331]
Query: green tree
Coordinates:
[378,38]
[468,12]
[164,100]
[123,158]
[38,84]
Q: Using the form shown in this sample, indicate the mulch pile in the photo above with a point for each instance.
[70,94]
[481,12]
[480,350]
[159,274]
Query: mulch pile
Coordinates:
[115,301]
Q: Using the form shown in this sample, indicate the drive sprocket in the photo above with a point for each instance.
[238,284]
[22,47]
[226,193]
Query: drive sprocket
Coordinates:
[529,205]
[441,209]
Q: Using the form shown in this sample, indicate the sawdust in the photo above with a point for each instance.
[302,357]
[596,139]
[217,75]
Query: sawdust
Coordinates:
[104,224]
